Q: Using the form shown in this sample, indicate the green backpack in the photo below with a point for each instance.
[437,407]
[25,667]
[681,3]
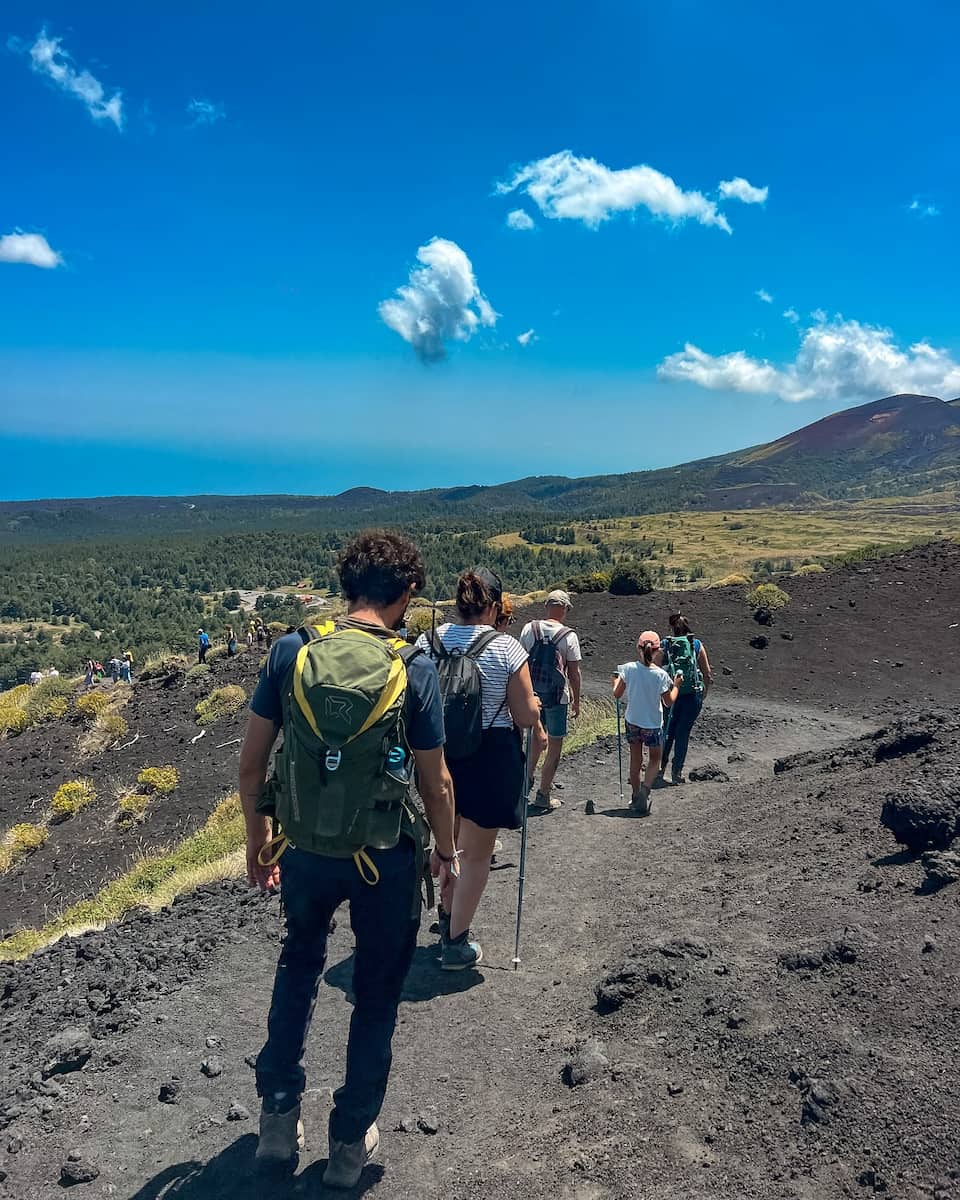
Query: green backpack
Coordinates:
[341,778]
[681,656]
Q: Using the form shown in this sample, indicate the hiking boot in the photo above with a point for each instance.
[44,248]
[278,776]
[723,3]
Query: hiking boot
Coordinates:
[281,1132]
[347,1159]
[545,803]
[460,954]
[642,801]
[677,778]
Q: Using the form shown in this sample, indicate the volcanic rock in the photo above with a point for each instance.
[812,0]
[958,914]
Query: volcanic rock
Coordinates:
[587,1064]
[708,773]
[921,818]
[941,867]
[77,1169]
[68,1050]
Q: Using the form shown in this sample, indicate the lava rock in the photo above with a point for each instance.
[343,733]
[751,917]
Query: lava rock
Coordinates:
[833,953]
[920,818]
[237,1112]
[726,670]
[787,637]
[708,773]
[77,1169]
[68,1050]
[170,1093]
[211,1067]
[586,1065]
[406,1125]
[760,642]
[736,757]
[427,1123]
[941,867]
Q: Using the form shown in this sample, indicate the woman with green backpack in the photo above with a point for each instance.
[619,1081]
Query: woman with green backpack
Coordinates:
[683,653]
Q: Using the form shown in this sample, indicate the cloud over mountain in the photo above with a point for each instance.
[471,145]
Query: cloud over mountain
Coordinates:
[565,186]
[838,361]
[47,57]
[440,303]
[32,249]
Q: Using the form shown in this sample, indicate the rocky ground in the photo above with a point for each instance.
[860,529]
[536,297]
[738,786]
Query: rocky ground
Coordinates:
[751,993]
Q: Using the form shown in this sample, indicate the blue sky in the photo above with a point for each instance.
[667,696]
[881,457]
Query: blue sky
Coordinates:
[204,207]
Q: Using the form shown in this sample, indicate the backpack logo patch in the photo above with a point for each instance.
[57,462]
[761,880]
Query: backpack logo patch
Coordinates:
[339,708]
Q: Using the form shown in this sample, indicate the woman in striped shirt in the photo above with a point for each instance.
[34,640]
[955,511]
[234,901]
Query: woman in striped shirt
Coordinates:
[488,785]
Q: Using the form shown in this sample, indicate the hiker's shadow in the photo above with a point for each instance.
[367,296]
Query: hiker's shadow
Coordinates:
[232,1175]
[425,980]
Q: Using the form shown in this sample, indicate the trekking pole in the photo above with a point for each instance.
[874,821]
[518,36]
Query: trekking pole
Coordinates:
[527,759]
[620,752]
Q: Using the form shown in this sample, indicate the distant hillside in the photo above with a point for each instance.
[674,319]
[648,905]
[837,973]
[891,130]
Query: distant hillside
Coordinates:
[898,445]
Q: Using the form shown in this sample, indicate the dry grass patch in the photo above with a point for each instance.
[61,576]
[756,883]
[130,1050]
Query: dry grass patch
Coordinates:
[598,718]
[19,842]
[222,702]
[70,798]
[213,852]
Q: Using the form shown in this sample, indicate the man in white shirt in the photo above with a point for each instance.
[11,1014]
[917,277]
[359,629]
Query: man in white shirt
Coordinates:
[555,657]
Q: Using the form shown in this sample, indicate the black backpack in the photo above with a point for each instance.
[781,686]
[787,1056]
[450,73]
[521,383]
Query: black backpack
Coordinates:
[461,688]
[548,668]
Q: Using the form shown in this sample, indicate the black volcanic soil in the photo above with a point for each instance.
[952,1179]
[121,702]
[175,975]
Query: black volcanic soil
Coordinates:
[775,987]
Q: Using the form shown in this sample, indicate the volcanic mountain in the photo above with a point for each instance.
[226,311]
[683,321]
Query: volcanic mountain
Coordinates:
[901,444]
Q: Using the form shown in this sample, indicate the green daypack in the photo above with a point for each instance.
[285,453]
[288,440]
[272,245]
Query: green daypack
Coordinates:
[682,656]
[341,778]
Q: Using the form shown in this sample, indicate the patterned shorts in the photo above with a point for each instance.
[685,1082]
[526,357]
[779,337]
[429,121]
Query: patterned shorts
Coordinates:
[643,737]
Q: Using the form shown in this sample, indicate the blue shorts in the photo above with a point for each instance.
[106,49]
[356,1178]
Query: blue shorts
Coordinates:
[555,720]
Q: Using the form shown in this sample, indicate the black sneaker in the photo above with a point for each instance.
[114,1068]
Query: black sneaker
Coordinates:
[642,801]
[459,954]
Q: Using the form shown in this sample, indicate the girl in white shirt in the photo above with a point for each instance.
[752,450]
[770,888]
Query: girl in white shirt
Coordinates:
[649,689]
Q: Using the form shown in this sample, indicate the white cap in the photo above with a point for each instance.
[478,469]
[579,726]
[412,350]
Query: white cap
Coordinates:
[558,596]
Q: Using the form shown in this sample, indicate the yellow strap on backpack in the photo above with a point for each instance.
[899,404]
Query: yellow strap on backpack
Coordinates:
[270,852]
[392,690]
[364,863]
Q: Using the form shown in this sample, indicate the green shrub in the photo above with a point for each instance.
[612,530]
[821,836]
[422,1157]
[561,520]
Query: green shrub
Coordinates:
[132,807]
[630,577]
[12,719]
[92,704]
[767,597]
[221,702]
[197,671]
[161,780]
[71,797]
[214,654]
[21,840]
[811,569]
[48,700]
[422,620]
[163,666]
[591,581]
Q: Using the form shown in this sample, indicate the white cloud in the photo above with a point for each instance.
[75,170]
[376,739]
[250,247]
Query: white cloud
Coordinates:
[47,58]
[30,248]
[525,339]
[740,189]
[205,112]
[792,315]
[922,208]
[564,186]
[518,219]
[764,295]
[838,361]
[441,302]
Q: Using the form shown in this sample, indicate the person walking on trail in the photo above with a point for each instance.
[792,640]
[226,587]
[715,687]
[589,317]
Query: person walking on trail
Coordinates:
[126,667]
[354,703]
[88,674]
[203,645]
[231,642]
[555,657]
[649,689]
[250,638]
[488,699]
[682,652]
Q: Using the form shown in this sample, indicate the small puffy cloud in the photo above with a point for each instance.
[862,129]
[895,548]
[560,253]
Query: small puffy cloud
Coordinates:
[740,189]
[922,209]
[518,219]
[205,112]
[48,58]
[526,339]
[566,187]
[764,295]
[30,248]
[440,303]
[792,316]
[838,361]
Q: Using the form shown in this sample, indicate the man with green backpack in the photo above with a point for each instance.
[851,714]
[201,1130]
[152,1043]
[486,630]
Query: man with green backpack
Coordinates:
[359,711]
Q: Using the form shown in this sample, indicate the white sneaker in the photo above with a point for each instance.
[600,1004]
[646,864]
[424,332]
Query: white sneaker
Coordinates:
[281,1137]
[347,1159]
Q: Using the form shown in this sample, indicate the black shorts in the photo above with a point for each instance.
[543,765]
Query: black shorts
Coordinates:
[488,786]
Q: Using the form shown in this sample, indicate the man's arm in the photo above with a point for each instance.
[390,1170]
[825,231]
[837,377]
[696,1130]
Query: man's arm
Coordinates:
[575,676]
[436,790]
[254,759]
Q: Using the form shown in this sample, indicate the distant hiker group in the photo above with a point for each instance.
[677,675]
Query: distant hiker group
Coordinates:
[118,670]
[364,714]
[257,634]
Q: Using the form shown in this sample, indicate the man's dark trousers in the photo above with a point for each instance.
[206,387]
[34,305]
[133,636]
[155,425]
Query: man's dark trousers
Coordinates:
[385,927]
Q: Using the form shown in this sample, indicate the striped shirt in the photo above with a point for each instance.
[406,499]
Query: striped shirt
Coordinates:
[501,659]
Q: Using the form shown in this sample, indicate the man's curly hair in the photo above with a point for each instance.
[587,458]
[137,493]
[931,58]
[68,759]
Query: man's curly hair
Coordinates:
[379,566]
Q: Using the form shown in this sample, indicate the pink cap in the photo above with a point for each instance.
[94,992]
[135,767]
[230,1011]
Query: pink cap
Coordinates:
[649,637]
